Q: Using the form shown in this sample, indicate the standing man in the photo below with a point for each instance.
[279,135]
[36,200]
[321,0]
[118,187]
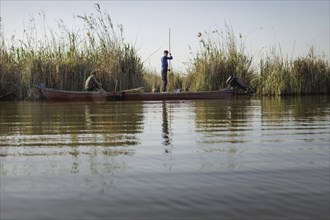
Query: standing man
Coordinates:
[165,68]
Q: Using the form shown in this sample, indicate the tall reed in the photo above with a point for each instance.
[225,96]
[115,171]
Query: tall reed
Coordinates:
[9,77]
[153,81]
[64,59]
[220,56]
[279,76]
[312,74]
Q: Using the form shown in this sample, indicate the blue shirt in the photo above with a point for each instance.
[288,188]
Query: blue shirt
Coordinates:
[164,61]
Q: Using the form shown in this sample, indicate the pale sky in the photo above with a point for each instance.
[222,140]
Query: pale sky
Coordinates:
[294,26]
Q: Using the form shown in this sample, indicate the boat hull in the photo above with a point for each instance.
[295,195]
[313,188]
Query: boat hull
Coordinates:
[62,95]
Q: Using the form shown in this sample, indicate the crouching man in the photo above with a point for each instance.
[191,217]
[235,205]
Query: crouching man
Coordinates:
[92,84]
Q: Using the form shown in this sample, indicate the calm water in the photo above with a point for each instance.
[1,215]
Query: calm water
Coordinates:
[218,159]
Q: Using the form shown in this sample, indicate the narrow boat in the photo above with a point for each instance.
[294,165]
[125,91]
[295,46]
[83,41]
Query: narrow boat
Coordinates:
[63,95]
[137,95]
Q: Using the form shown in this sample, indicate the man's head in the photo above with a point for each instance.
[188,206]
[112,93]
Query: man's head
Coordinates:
[165,52]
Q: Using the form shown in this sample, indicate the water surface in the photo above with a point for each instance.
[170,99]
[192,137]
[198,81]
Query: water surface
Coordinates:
[244,158]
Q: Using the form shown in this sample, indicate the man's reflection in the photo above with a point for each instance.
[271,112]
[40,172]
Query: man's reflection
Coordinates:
[165,129]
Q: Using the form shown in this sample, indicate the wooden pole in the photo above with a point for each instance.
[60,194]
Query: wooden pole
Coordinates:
[169,47]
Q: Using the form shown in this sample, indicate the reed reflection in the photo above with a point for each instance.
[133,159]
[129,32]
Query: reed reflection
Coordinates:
[225,117]
[293,108]
[76,134]
[222,127]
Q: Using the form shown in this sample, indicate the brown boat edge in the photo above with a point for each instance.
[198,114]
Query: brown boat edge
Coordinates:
[138,94]
[101,96]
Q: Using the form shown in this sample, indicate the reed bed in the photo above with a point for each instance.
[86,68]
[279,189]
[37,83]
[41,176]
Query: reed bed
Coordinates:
[9,77]
[220,55]
[65,60]
[153,81]
[304,75]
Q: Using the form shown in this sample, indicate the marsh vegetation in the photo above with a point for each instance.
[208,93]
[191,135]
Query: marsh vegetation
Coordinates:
[64,58]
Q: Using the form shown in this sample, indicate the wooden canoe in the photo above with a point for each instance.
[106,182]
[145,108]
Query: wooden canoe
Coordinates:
[62,95]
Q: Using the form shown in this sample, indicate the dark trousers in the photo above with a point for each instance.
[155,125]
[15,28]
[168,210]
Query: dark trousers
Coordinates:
[164,79]
[93,87]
